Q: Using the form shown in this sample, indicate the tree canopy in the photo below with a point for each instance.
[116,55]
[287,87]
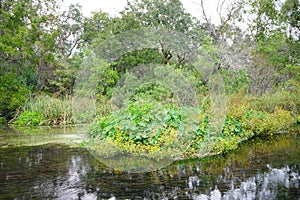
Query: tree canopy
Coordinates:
[42,47]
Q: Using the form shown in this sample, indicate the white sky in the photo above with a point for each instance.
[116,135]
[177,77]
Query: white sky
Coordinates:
[114,6]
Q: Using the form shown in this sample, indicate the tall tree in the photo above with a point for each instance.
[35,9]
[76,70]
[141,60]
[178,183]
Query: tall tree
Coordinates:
[22,33]
[37,44]
[167,15]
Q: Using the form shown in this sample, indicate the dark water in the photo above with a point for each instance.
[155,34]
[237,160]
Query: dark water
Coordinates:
[261,169]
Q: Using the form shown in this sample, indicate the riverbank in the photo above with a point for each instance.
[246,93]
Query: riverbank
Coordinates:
[156,130]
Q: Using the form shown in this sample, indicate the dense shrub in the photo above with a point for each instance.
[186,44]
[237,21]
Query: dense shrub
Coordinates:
[30,118]
[143,124]
[13,92]
[144,127]
[234,81]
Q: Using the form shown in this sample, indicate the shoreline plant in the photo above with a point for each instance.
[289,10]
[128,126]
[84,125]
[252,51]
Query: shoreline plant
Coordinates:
[132,129]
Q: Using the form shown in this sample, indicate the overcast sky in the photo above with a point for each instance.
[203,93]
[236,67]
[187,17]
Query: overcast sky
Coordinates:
[114,6]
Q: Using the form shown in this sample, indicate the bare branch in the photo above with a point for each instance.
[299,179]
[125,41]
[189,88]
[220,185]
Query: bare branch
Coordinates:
[204,14]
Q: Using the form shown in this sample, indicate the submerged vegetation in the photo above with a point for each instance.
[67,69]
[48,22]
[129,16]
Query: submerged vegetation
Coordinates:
[59,68]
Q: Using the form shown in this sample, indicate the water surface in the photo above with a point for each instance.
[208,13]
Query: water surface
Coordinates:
[50,169]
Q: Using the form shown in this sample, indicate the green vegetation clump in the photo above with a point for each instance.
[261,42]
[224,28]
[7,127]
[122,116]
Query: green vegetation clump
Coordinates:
[147,127]
[30,118]
[2,120]
[46,110]
[140,127]
[234,81]
[285,99]
[13,95]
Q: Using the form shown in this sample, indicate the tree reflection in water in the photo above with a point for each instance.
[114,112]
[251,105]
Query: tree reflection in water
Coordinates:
[262,186]
[259,170]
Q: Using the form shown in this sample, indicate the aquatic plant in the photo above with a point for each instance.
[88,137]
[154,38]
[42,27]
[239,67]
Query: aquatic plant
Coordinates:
[147,127]
[46,110]
[141,127]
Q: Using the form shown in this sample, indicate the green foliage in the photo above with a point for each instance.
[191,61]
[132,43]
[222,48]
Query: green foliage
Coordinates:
[151,92]
[29,118]
[36,43]
[225,144]
[263,123]
[13,92]
[100,26]
[2,120]
[137,58]
[63,78]
[234,81]
[147,127]
[284,99]
[266,17]
[68,30]
[46,110]
[169,14]
[232,127]
[142,122]
[37,54]
[94,26]
[290,77]
[243,123]
[107,80]
[256,121]
[211,49]
[291,12]
[141,127]
[272,47]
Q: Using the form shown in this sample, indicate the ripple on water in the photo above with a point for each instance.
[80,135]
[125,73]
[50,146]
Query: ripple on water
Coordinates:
[257,170]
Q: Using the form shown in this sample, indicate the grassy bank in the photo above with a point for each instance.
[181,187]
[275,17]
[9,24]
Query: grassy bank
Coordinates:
[163,129]
[44,110]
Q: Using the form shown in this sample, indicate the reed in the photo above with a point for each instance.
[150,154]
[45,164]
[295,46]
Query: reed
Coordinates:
[53,111]
[285,99]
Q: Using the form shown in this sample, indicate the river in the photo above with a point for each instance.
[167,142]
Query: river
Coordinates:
[50,163]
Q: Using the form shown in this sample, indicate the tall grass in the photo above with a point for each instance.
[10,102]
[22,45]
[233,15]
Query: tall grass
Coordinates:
[53,110]
[285,99]
[47,110]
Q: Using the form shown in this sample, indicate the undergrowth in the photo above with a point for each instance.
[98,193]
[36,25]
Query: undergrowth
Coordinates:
[151,127]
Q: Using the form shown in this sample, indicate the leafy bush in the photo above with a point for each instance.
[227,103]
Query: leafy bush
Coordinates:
[258,116]
[145,127]
[150,128]
[234,81]
[136,58]
[263,123]
[29,118]
[143,123]
[107,80]
[151,91]
[225,144]
[232,127]
[13,92]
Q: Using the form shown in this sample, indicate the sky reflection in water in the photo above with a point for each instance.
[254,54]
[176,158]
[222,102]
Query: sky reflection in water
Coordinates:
[258,170]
